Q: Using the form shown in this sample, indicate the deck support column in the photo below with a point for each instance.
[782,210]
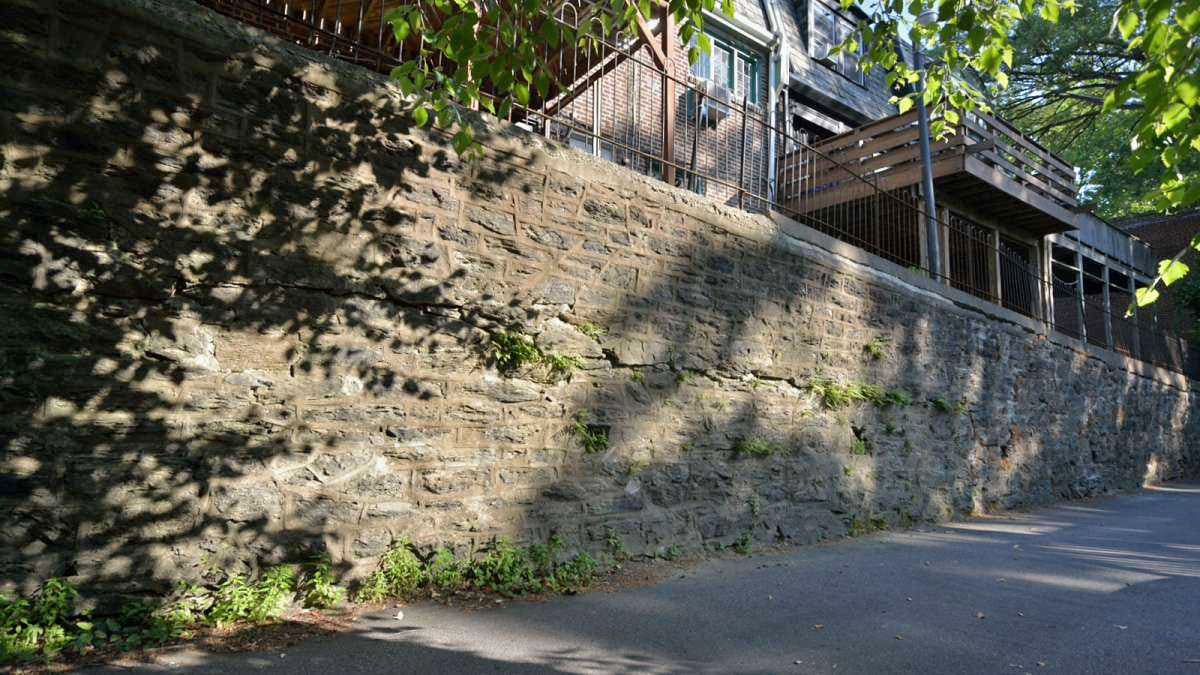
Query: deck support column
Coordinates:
[931,224]
[668,89]
[1079,296]
[1108,327]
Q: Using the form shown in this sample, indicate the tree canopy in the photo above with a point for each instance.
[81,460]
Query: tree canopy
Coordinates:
[1112,72]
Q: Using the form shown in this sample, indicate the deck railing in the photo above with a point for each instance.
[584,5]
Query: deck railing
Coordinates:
[663,122]
[890,150]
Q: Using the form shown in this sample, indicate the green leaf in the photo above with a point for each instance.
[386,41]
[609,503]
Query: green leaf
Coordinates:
[401,28]
[989,60]
[905,104]
[1188,90]
[1146,296]
[521,91]
[1050,10]
[1127,21]
[1175,115]
[1171,271]
[462,141]
[421,116]
[1117,97]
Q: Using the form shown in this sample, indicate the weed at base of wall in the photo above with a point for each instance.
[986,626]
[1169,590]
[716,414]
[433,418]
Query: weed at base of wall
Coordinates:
[503,568]
[744,545]
[48,624]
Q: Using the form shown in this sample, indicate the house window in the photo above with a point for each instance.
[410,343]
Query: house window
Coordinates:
[827,29]
[731,68]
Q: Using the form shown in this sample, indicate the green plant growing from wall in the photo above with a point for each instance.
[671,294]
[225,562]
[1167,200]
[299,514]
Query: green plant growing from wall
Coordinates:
[942,405]
[860,446]
[637,466]
[237,600]
[48,623]
[505,569]
[858,527]
[446,572]
[318,588]
[398,575]
[684,377]
[593,331]
[561,367]
[511,351]
[756,447]
[638,377]
[896,397]
[835,395]
[592,438]
[93,214]
[877,347]
[573,575]
[744,545]
[614,544]
[502,568]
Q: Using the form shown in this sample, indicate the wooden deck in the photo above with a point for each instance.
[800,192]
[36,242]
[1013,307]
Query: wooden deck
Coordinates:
[984,162]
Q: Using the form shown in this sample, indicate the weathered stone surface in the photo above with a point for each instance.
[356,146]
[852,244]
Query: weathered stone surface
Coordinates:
[261,331]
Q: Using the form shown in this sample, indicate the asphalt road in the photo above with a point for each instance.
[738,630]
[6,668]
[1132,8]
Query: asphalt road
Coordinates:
[1108,586]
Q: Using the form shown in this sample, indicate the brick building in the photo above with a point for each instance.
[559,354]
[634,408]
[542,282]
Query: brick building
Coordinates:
[1167,236]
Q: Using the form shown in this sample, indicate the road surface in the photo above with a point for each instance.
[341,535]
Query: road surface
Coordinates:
[1106,586]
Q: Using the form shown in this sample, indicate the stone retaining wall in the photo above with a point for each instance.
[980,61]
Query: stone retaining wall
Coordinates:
[246,315]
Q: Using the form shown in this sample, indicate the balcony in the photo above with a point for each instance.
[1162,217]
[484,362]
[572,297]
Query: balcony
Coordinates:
[984,163]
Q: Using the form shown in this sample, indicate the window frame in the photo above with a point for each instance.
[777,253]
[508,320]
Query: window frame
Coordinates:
[836,64]
[736,56]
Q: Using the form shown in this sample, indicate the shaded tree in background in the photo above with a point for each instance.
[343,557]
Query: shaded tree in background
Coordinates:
[1061,74]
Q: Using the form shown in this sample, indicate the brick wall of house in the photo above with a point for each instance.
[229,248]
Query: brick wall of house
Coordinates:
[1167,236]
[630,102]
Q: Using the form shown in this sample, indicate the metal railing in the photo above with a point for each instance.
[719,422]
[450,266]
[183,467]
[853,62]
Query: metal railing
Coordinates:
[662,120]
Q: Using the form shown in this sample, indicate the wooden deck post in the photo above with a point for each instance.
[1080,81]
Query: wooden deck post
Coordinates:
[1046,290]
[668,130]
[1137,329]
[995,261]
[1108,327]
[1079,296]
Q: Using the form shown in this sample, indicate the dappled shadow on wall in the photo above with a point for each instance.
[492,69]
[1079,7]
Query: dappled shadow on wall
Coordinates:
[253,315]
